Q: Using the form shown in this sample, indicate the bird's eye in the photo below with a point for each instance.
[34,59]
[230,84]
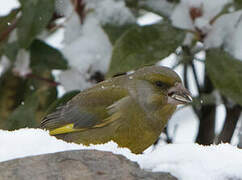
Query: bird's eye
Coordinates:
[161,84]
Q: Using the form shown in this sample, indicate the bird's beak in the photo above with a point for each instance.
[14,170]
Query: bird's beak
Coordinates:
[179,95]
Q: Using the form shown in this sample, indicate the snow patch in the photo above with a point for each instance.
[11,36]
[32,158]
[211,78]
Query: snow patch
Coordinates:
[29,142]
[163,6]
[7,6]
[63,7]
[5,64]
[209,9]
[73,29]
[92,47]
[110,12]
[222,30]
[21,65]
[73,79]
[87,51]
[185,161]
[148,19]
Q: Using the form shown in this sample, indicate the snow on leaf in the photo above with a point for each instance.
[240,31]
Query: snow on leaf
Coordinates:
[222,30]
[234,40]
[63,7]
[186,13]
[111,12]
[90,51]
[163,7]
[72,29]
[21,65]
[227,32]
[73,79]
[4,64]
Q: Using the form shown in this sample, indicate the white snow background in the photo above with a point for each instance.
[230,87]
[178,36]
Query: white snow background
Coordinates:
[184,159]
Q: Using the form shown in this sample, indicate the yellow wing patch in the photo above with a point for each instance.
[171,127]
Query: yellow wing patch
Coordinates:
[69,128]
[65,129]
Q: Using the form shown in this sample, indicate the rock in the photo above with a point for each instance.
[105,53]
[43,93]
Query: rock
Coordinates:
[76,165]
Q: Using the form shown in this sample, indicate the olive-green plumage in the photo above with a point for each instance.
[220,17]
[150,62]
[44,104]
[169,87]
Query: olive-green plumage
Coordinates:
[131,110]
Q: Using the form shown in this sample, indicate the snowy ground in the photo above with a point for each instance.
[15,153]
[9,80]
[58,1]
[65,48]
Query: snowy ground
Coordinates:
[185,161]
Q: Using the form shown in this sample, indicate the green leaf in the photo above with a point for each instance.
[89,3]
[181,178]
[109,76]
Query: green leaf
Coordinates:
[12,90]
[44,56]
[7,23]
[46,93]
[36,15]
[238,4]
[144,45]
[225,73]
[24,114]
[114,32]
[11,50]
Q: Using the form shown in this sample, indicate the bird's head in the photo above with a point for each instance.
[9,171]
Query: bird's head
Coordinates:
[165,83]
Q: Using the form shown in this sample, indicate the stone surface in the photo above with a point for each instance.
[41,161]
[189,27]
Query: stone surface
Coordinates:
[76,165]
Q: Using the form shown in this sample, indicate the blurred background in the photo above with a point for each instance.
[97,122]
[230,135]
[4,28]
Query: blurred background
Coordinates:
[52,49]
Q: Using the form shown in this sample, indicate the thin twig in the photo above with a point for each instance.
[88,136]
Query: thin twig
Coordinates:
[185,76]
[196,77]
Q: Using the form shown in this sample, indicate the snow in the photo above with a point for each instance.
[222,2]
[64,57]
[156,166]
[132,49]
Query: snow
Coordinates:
[78,80]
[92,47]
[209,9]
[111,12]
[21,65]
[181,18]
[87,50]
[29,142]
[203,24]
[162,6]
[185,161]
[148,19]
[234,40]
[183,130]
[225,31]
[192,161]
[222,30]
[4,64]
[56,39]
[188,39]
[86,46]
[72,29]
[63,7]
[7,6]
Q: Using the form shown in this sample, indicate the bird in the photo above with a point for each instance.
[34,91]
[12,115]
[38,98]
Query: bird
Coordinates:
[131,110]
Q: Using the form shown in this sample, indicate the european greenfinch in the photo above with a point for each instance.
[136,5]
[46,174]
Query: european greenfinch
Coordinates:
[131,110]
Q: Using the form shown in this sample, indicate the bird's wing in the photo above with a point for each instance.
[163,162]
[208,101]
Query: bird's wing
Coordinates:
[90,109]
